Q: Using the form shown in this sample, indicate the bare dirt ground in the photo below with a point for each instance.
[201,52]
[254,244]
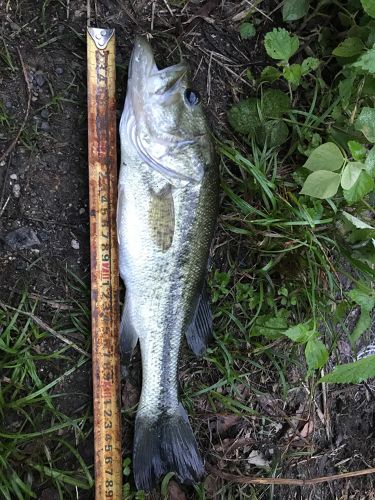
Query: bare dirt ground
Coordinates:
[44,198]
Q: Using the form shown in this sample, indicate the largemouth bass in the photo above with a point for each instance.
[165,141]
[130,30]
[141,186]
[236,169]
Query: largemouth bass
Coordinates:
[167,206]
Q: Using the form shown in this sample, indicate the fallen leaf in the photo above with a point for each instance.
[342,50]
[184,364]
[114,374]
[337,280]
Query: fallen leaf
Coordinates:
[222,423]
[307,429]
[205,11]
[175,492]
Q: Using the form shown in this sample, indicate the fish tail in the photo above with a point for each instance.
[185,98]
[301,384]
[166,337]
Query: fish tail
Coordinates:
[165,444]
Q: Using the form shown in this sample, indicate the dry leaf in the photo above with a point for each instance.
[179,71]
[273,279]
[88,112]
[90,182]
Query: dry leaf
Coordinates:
[175,492]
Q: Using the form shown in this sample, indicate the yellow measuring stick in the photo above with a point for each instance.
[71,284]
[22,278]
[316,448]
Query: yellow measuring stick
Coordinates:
[104,260]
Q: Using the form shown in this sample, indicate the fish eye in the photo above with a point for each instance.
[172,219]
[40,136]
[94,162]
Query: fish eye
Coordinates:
[192,97]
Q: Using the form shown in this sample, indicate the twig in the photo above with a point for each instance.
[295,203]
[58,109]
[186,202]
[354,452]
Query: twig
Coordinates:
[1,202]
[25,118]
[286,481]
[48,329]
[88,12]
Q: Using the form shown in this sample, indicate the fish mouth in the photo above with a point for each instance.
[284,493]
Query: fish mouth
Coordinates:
[143,67]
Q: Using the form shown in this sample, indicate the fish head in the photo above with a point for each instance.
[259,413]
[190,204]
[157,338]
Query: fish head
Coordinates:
[163,118]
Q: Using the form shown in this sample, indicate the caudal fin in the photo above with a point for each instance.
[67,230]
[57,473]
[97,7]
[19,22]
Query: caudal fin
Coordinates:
[165,444]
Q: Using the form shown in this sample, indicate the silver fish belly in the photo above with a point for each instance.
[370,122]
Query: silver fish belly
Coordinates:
[168,197]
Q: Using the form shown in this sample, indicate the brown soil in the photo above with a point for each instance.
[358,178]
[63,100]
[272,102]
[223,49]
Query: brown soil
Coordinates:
[43,187]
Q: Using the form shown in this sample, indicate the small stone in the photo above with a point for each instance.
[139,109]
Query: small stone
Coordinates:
[82,211]
[75,244]
[34,98]
[43,235]
[59,70]
[39,79]
[17,190]
[13,177]
[21,238]
[44,126]
[44,113]
[8,104]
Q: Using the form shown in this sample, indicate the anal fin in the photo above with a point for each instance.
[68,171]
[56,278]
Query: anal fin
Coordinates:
[128,335]
[199,332]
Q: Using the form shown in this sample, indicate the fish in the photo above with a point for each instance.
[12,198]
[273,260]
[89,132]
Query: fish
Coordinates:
[168,195]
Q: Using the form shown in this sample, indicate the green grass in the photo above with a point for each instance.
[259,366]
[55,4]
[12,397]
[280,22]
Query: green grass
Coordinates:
[36,436]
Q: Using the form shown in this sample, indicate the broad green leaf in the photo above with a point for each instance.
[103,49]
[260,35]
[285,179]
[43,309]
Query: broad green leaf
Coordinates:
[244,116]
[280,45]
[366,62]
[369,85]
[270,327]
[249,75]
[300,333]
[366,123]
[294,9]
[369,7]
[349,47]
[350,174]
[357,150]
[352,373]
[316,354]
[345,20]
[275,132]
[310,64]
[363,186]
[357,229]
[247,30]
[345,90]
[321,184]
[293,74]
[370,162]
[366,301]
[357,223]
[371,38]
[274,103]
[325,157]
[364,322]
[361,32]
[269,74]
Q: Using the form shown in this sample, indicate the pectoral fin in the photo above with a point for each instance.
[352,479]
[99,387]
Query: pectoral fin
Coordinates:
[162,218]
[199,332]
